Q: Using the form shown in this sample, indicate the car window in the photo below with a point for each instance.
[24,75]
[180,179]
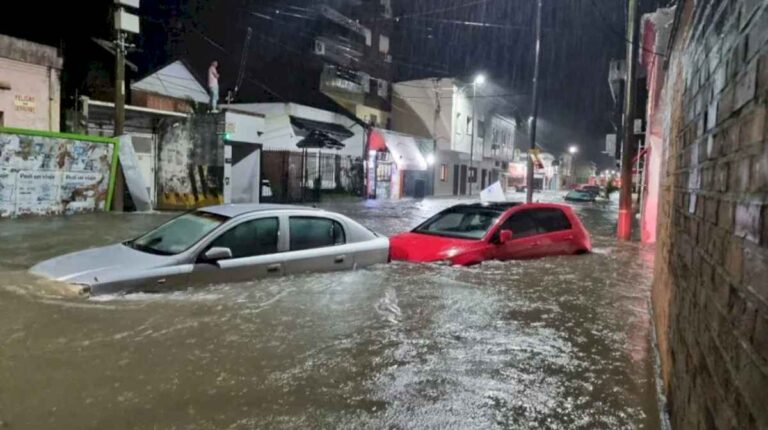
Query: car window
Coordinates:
[251,238]
[522,224]
[536,221]
[314,232]
[551,220]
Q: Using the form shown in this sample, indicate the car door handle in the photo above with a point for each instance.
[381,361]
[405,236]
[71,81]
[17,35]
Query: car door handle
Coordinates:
[274,268]
[340,259]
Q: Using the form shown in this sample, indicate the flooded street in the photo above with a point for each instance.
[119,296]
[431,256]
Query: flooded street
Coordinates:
[553,343]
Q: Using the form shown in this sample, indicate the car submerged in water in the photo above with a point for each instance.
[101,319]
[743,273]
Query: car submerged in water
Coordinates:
[469,234]
[226,243]
[580,196]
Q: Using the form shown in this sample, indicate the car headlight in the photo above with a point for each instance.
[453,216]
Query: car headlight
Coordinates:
[81,290]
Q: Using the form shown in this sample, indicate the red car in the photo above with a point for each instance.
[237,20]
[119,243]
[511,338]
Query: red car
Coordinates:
[470,234]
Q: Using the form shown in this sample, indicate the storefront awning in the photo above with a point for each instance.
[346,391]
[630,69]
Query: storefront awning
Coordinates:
[319,140]
[405,149]
[303,127]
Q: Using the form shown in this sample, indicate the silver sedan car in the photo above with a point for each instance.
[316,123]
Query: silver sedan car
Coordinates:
[227,243]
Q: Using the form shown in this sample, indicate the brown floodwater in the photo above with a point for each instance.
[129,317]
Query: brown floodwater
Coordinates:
[553,343]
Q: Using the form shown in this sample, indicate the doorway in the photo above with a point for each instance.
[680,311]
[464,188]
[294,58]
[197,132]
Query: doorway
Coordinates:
[456,180]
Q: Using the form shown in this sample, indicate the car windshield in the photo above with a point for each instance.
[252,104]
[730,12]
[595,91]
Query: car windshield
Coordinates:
[178,234]
[460,222]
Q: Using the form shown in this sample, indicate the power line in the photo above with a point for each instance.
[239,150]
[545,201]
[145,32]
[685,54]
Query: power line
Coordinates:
[486,96]
[427,67]
[437,11]
[248,77]
[473,24]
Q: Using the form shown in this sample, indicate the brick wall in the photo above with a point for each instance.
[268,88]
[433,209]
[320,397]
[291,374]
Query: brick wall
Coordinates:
[710,292]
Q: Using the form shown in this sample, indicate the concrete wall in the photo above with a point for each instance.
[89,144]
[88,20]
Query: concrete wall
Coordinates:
[161,102]
[191,163]
[710,291]
[243,127]
[29,85]
[53,174]
[32,99]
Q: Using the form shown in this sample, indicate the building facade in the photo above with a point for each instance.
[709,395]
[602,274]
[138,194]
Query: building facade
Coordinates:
[710,295]
[473,142]
[29,85]
[353,45]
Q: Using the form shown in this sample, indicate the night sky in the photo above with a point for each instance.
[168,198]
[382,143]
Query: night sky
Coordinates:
[432,38]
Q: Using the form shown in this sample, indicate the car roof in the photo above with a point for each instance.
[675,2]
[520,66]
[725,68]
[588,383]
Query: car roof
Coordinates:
[237,209]
[505,206]
[499,206]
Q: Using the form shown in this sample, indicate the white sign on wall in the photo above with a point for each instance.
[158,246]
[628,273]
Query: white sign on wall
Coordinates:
[24,103]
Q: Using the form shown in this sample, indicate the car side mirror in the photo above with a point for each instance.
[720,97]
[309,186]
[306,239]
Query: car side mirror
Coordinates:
[217,253]
[505,236]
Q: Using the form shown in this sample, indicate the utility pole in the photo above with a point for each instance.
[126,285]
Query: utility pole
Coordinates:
[124,22]
[624,231]
[472,142]
[535,110]
[120,50]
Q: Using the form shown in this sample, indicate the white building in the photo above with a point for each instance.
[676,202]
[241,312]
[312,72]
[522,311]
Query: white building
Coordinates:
[472,148]
[283,125]
[29,85]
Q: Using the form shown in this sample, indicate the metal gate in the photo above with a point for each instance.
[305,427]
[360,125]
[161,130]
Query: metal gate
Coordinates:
[296,177]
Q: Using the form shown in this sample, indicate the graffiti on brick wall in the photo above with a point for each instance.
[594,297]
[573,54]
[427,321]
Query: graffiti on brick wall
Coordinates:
[42,175]
[191,167]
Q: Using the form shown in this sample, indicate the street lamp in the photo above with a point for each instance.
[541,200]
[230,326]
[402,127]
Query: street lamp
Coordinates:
[573,149]
[479,80]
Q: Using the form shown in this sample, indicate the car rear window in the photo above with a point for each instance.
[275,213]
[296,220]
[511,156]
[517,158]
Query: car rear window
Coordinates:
[550,220]
[314,232]
[536,221]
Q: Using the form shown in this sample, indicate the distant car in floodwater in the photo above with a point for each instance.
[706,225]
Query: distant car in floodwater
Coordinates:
[593,189]
[226,243]
[472,233]
[580,196]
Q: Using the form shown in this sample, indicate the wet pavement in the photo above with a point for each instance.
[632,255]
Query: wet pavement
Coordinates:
[553,343]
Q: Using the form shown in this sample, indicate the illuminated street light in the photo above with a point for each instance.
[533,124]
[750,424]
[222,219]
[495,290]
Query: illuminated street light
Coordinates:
[479,79]
[573,149]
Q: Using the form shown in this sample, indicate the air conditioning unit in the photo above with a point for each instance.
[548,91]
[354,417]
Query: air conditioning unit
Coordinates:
[319,47]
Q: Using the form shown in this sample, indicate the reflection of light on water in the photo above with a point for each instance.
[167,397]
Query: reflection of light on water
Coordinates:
[603,251]
[144,297]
